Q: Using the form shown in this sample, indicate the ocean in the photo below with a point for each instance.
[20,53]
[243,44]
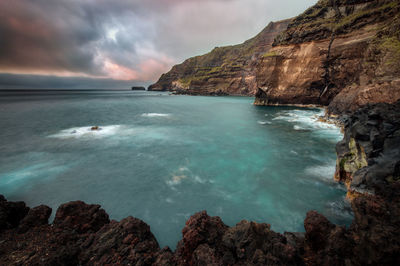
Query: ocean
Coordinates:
[162,158]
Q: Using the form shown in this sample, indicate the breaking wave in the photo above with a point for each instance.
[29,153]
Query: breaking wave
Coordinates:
[155,115]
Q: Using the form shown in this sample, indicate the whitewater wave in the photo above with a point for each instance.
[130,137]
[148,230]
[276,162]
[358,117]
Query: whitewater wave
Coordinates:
[322,172]
[169,200]
[79,132]
[264,122]
[184,173]
[18,178]
[340,210]
[296,127]
[310,120]
[155,115]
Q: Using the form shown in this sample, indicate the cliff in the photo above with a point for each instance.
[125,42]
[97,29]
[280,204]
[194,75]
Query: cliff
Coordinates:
[225,70]
[340,53]
[368,157]
[343,54]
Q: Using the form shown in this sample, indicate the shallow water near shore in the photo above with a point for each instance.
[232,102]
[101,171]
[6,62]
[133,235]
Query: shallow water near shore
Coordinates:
[162,158]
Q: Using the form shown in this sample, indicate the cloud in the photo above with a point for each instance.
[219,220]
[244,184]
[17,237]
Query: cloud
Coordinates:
[125,40]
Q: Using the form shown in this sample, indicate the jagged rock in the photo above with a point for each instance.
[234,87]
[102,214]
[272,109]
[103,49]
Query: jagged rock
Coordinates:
[126,242]
[255,243]
[199,229]
[326,243]
[79,216]
[165,257]
[36,216]
[11,213]
[376,228]
[317,230]
[369,152]
[207,241]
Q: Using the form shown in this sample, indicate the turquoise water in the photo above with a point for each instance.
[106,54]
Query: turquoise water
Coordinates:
[162,158]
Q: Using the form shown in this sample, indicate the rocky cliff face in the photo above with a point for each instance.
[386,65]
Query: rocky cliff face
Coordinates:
[368,157]
[339,53]
[343,54]
[224,71]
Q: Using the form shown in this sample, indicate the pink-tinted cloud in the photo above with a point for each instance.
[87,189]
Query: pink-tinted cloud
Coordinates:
[126,40]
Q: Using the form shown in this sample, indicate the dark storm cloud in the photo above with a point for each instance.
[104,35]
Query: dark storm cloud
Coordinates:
[122,39]
[34,82]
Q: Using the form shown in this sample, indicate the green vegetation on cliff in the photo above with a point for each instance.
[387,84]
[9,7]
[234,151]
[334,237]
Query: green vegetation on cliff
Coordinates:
[335,16]
[222,64]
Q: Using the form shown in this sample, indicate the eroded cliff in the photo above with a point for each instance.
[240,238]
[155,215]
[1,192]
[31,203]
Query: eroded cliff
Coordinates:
[368,157]
[342,54]
[225,70]
[339,53]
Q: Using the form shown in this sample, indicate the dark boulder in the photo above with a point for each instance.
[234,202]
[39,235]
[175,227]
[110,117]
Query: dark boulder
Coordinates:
[11,213]
[255,243]
[129,241]
[200,229]
[326,243]
[36,217]
[81,217]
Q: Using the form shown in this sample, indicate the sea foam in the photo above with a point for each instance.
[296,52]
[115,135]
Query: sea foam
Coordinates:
[309,120]
[155,115]
[79,132]
[322,172]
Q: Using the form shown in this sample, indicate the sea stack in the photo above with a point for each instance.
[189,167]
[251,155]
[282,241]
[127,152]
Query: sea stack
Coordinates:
[138,88]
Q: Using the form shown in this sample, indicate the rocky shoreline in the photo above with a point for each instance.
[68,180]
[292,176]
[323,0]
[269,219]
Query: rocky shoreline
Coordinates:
[368,162]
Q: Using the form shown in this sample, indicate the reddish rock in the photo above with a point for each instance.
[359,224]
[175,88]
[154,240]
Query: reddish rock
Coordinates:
[376,229]
[207,241]
[255,243]
[200,229]
[318,229]
[129,241]
[226,70]
[340,54]
[77,215]
[36,217]
[11,213]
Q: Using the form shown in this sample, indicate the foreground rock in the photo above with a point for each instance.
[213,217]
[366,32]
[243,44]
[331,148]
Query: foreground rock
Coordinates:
[372,239]
[82,235]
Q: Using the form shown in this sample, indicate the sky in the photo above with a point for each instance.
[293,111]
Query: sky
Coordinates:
[129,42]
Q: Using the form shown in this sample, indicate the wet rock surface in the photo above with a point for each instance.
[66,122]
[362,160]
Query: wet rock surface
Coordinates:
[368,157]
